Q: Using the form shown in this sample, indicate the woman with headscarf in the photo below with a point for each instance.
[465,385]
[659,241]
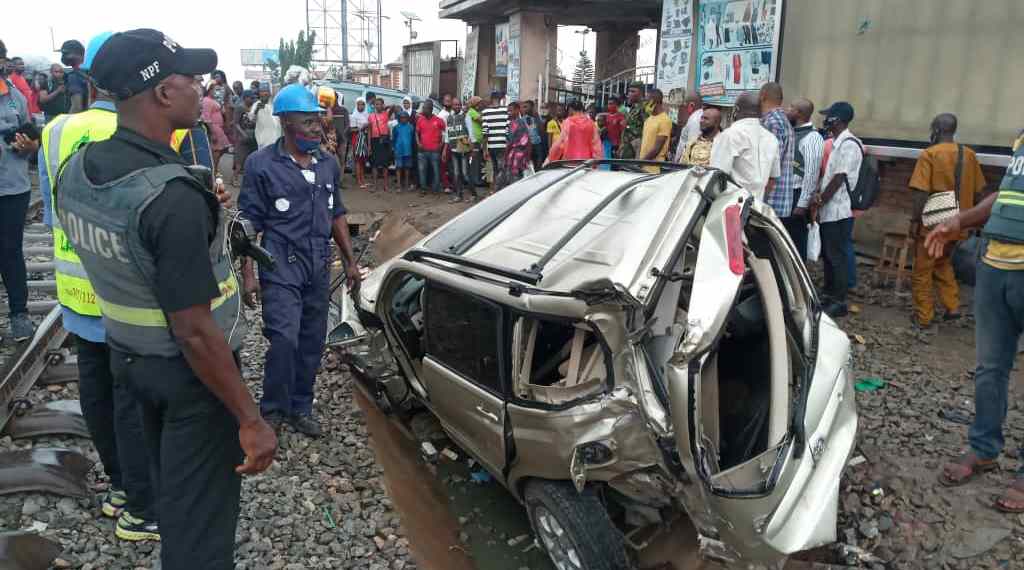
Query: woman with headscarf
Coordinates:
[213,115]
[360,121]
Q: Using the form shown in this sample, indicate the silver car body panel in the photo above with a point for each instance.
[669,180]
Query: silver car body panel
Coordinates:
[788,493]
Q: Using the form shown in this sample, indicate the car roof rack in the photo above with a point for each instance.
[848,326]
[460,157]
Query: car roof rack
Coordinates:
[533,275]
[421,254]
[537,267]
[469,241]
[637,163]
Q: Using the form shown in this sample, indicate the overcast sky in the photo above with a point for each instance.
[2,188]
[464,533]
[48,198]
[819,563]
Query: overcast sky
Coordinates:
[232,25]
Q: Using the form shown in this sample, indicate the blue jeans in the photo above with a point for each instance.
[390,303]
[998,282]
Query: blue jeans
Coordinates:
[429,164]
[999,312]
[851,259]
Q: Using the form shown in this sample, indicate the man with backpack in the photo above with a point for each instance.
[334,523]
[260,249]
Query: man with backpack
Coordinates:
[842,173]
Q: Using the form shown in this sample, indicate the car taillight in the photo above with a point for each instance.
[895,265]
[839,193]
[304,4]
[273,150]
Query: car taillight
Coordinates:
[734,238]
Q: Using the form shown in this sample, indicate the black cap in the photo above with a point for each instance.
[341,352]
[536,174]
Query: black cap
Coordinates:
[840,110]
[132,62]
[72,46]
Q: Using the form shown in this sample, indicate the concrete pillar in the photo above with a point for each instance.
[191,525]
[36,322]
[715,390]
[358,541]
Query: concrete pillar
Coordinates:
[616,49]
[485,60]
[538,49]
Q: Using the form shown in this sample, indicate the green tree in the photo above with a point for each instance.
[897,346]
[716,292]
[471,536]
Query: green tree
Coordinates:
[298,52]
[583,75]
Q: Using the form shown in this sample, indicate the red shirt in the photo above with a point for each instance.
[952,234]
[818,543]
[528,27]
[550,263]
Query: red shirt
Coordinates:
[379,125]
[615,123]
[429,132]
[32,98]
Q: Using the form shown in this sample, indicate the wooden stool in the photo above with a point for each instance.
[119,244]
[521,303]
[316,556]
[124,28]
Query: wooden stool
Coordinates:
[894,261]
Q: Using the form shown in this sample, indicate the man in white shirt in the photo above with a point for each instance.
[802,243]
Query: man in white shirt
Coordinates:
[747,151]
[810,148]
[834,213]
[690,113]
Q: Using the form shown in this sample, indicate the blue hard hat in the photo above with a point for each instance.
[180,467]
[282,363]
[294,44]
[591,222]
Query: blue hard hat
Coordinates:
[295,99]
[93,48]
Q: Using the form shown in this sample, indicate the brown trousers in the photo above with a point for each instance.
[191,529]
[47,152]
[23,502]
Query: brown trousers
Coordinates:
[929,274]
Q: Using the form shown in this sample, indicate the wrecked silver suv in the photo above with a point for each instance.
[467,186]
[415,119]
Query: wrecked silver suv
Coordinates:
[620,349]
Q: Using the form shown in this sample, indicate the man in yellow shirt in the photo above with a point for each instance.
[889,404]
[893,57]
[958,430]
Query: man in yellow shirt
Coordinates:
[937,171]
[657,133]
[999,315]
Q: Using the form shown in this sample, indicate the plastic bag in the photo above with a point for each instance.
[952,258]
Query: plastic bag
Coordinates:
[813,242]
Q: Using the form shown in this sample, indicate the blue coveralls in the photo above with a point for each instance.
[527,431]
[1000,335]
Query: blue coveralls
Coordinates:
[295,210]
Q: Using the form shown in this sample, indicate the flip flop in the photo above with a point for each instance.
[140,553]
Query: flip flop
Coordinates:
[975,468]
[1000,503]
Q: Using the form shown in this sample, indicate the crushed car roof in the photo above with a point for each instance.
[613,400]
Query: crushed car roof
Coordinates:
[516,228]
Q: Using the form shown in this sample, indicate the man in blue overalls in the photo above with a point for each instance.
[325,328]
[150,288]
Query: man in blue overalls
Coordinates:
[292,193]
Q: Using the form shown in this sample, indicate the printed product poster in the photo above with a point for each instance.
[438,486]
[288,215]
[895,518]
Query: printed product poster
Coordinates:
[469,65]
[501,50]
[736,47]
[674,47]
[512,88]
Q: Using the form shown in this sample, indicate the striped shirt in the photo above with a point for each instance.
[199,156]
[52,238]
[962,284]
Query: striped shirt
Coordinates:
[495,121]
[812,147]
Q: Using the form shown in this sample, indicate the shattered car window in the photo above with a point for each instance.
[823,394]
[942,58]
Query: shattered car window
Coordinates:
[462,333]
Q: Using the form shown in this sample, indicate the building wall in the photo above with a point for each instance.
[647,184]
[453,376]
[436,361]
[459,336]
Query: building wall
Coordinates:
[891,214]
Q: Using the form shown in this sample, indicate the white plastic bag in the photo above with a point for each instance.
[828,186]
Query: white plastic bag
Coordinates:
[813,242]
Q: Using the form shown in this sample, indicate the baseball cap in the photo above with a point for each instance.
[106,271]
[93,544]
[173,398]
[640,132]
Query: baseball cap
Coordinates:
[840,110]
[132,62]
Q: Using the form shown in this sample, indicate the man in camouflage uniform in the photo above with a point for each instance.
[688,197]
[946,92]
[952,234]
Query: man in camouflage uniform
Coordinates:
[629,148]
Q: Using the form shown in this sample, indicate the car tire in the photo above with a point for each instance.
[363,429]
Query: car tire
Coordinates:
[574,528]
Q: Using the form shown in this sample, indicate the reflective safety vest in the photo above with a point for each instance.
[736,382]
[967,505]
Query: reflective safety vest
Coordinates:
[1006,223]
[102,221]
[61,138]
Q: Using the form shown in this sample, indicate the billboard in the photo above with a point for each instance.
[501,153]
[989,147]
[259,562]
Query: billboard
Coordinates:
[501,50]
[674,47]
[258,56]
[737,47]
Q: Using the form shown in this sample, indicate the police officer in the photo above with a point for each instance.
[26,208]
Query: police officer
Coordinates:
[109,408]
[151,239]
[999,316]
[292,193]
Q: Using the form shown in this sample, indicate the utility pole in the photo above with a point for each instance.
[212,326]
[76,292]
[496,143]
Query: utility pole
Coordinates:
[409,18]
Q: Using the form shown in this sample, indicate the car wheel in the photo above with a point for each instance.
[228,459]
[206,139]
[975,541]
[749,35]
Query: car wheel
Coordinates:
[574,528]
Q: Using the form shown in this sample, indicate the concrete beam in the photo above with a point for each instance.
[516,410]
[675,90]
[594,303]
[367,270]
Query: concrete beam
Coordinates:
[616,49]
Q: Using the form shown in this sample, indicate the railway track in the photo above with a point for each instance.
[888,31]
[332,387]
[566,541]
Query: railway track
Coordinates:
[28,410]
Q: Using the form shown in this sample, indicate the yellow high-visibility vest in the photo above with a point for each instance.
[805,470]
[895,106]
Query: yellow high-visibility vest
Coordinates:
[61,138]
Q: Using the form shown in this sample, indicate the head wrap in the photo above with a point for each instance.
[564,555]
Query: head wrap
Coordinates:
[359,119]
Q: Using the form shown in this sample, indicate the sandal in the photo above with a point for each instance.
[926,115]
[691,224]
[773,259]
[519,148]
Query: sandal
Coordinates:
[1014,494]
[966,469]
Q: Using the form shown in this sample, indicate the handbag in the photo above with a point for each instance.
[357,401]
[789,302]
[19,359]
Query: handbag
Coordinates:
[942,206]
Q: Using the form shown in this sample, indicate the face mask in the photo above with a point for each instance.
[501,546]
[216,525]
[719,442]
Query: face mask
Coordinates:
[307,145]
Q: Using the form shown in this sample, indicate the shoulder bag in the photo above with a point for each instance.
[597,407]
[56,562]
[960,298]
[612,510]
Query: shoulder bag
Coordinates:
[942,206]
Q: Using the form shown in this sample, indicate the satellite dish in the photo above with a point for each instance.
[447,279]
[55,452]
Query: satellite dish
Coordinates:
[411,16]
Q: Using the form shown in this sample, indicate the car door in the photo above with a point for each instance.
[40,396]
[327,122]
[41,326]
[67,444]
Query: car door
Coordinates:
[784,497]
[463,371]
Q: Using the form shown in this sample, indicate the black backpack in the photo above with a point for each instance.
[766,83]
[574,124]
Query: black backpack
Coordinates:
[798,157]
[869,183]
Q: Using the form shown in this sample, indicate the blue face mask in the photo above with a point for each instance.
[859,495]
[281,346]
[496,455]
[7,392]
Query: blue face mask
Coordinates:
[307,145]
